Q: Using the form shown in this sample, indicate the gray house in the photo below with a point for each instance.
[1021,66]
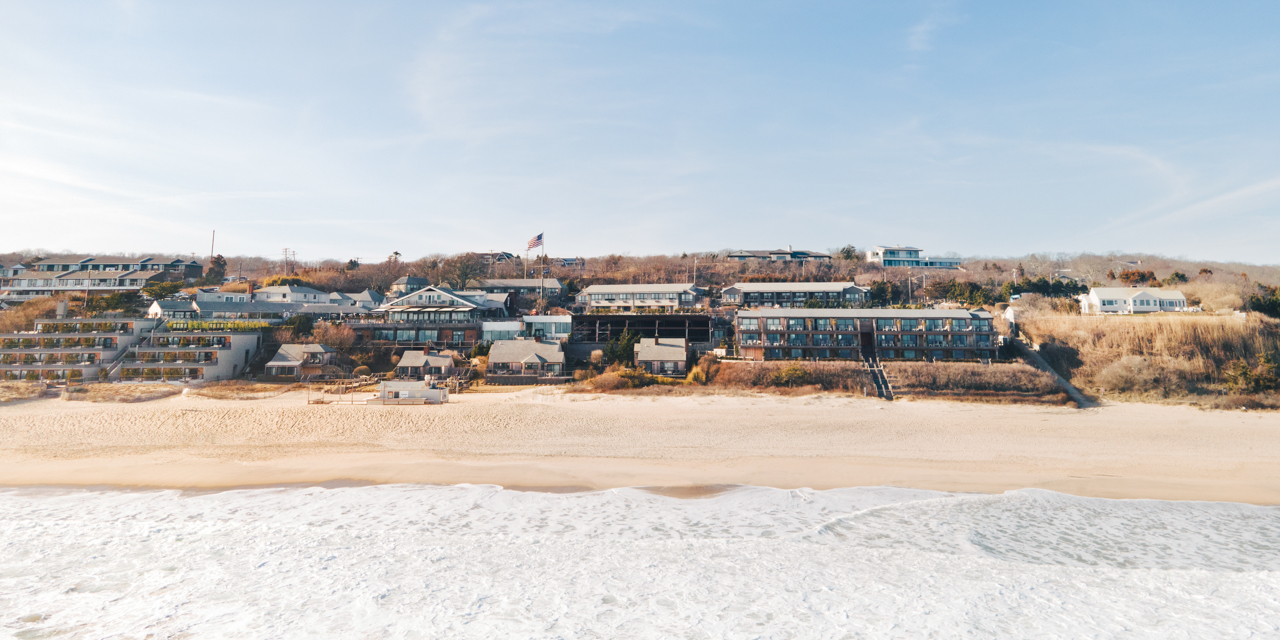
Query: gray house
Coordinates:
[299,361]
[525,357]
[793,294]
[416,365]
[666,356]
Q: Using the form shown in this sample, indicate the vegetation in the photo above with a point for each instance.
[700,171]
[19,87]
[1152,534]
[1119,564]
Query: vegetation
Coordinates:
[1000,383]
[824,376]
[1176,357]
[162,290]
[336,336]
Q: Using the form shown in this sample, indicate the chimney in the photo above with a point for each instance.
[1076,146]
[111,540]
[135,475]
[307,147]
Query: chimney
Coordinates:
[62,309]
[788,247]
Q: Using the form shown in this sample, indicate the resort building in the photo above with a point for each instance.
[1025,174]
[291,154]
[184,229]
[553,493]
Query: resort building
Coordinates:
[900,256]
[1132,300]
[525,358]
[436,316]
[70,349]
[551,287]
[639,297]
[886,334]
[666,357]
[187,352]
[8,273]
[418,365]
[291,293]
[778,255]
[300,361]
[548,327]
[793,294]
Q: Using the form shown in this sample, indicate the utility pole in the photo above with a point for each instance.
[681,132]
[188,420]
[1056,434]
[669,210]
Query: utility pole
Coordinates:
[211,239]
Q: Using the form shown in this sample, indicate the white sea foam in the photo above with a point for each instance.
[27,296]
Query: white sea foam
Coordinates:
[407,561]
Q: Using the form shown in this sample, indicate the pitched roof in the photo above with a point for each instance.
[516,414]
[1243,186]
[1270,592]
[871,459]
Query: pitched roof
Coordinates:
[291,289]
[795,286]
[665,350]
[525,351]
[420,359]
[297,352]
[1129,292]
[639,288]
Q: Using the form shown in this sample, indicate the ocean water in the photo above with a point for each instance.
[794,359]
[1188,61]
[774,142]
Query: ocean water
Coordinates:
[415,561]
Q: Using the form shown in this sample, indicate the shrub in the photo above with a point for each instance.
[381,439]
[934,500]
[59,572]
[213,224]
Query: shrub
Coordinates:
[827,376]
[362,371]
[960,377]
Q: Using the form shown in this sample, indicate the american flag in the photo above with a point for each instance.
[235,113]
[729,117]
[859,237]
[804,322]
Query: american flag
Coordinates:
[536,241]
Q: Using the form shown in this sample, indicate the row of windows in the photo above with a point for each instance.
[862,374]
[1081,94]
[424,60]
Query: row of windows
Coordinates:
[851,324]
[851,339]
[888,354]
[641,296]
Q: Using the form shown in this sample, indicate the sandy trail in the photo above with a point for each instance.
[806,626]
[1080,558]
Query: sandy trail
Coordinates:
[543,438]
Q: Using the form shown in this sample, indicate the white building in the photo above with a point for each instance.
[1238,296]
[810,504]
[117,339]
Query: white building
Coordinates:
[1132,300]
[638,297]
[409,392]
[291,293]
[900,256]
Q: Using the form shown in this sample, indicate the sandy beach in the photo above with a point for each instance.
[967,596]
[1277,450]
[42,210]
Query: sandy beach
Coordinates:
[544,439]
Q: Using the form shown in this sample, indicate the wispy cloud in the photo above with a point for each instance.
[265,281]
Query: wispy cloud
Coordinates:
[921,35]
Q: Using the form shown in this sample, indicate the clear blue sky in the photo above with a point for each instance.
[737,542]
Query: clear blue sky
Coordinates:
[361,128]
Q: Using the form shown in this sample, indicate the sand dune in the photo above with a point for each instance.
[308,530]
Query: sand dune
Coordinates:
[543,438]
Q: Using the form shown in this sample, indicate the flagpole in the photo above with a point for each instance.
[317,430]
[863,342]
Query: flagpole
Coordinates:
[542,275]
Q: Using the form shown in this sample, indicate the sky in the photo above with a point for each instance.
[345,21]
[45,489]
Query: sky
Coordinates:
[355,129]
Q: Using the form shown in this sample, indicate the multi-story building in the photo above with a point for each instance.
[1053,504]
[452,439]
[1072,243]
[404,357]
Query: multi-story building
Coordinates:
[291,293]
[299,362]
[406,285]
[174,352]
[900,256]
[520,286]
[7,274]
[638,297]
[1132,300]
[793,294]
[778,255]
[888,334]
[70,349]
[96,276]
[436,316]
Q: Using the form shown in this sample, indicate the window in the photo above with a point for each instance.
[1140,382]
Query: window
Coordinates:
[773,323]
[935,325]
[909,354]
[844,353]
[749,323]
[624,296]
[846,339]
[642,296]
[936,355]
[959,325]
[823,353]
[749,338]
[981,325]
[886,324]
[884,340]
[795,324]
[773,338]
[959,341]
[984,340]
[958,355]
[773,353]
[796,339]
[910,340]
[822,340]
[887,353]
[846,324]
[670,296]
[797,353]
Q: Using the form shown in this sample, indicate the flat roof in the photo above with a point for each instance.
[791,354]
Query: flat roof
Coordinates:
[864,313]
[638,288]
[794,286]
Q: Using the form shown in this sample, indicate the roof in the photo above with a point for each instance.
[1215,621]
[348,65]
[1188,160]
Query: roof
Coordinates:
[420,359]
[1129,292]
[174,305]
[864,313]
[550,283]
[525,351]
[639,288]
[368,295]
[291,289]
[296,352]
[207,306]
[896,246]
[795,286]
[412,280]
[765,253]
[666,350]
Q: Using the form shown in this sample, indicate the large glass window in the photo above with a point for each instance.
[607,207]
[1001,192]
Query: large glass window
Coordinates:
[773,353]
[749,323]
[846,324]
[959,341]
[959,325]
[797,353]
[933,324]
[749,338]
[984,340]
[935,340]
[844,353]
[887,353]
[773,338]
[910,340]
[773,323]
[886,324]
[796,339]
[846,339]
[822,340]
[822,353]
[958,355]
[936,355]
[795,324]
[909,354]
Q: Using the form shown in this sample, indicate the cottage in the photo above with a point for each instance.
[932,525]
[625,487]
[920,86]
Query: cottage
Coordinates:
[417,365]
[526,357]
[1132,300]
[300,361]
[666,356]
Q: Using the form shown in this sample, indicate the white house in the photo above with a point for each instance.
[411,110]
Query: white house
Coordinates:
[1132,300]
[290,293]
[409,392]
[900,256]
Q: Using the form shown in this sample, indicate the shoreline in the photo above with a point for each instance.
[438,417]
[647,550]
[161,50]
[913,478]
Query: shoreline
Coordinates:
[547,441]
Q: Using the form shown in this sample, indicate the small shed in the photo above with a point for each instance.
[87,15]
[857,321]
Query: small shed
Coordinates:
[665,356]
[409,392]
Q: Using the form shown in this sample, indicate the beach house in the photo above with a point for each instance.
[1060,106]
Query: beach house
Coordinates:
[435,316]
[667,357]
[900,256]
[418,365]
[1131,300]
[530,361]
[300,361]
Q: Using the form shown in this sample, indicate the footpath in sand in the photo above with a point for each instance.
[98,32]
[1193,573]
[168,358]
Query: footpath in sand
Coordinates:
[546,439]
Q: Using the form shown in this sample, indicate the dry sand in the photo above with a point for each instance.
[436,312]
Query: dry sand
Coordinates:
[545,439]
